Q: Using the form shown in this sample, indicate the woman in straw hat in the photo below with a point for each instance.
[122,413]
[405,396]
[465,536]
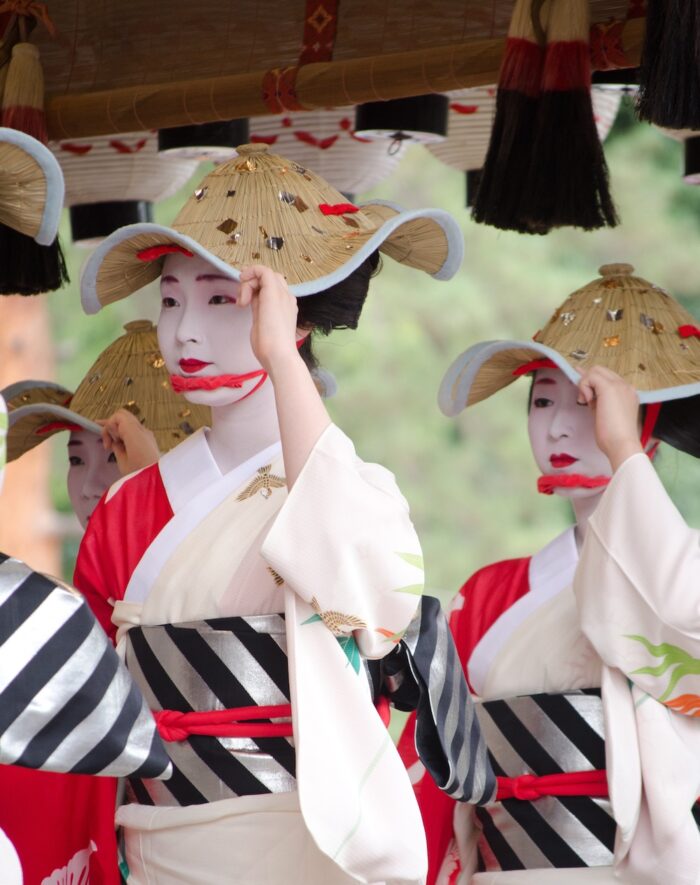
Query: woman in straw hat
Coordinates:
[644,626]
[529,656]
[250,570]
[126,394]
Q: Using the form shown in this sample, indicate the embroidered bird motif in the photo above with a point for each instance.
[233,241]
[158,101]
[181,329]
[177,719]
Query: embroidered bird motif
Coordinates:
[264,483]
[278,579]
[338,623]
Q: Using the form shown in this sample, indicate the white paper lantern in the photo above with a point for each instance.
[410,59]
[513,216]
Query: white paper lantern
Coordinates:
[326,143]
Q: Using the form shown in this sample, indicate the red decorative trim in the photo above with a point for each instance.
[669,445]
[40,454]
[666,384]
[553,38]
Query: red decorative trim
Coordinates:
[528,787]
[320,24]
[606,49]
[322,143]
[533,365]
[463,108]
[263,139]
[121,147]
[53,426]
[521,68]
[154,252]
[650,418]
[547,484]
[279,90]
[79,149]
[689,331]
[567,67]
[236,722]
[338,208]
[383,706]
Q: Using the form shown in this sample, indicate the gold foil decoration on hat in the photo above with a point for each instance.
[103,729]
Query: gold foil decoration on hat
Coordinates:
[611,341]
[615,314]
[567,317]
[201,193]
[227,226]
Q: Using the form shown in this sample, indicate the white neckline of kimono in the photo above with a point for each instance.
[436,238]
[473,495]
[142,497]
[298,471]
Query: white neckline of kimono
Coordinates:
[551,570]
[191,467]
[197,488]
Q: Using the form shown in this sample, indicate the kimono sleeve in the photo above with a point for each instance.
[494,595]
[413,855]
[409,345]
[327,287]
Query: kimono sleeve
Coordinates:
[344,542]
[638,587]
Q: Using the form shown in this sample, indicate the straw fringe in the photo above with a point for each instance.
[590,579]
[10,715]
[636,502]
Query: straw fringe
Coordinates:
[22,190]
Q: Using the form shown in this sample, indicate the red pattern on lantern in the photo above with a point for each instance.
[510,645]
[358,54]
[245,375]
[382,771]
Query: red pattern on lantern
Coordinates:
[321,143]
[121,147]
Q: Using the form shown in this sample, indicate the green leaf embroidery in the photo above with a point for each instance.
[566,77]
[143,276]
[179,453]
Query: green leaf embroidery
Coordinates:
[415,559]
[672,656]
[352,652]
[312,619]
[411,588]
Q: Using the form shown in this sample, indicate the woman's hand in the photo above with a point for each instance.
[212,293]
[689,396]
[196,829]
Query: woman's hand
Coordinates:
[274,333]
[134,446]
[615,405]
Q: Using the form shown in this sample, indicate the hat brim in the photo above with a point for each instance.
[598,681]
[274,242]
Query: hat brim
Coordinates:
[114,270]
[31,186]
[24,421]
[489,366]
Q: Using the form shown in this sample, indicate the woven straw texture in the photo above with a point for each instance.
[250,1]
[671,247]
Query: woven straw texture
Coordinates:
[127,167]
[619,321]
[264,208]
[112,69]
[129,374]
[22,190]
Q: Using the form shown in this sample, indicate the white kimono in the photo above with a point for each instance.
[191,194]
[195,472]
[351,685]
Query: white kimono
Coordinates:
[343,545]
[638,589]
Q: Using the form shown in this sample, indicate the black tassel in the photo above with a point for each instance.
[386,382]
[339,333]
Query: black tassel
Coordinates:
[669,70]
[567,185]
[26,268]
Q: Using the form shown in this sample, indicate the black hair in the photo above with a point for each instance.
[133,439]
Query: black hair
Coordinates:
[678,424]
[338,307]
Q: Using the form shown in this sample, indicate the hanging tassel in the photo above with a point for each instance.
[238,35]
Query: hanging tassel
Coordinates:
[26,268]
[567,183]
[669,70]
[497,200]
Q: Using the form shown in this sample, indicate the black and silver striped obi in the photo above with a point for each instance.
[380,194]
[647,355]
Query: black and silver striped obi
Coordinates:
[214,665]
[545,735]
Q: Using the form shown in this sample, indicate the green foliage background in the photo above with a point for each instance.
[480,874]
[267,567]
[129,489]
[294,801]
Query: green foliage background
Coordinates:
[471,480]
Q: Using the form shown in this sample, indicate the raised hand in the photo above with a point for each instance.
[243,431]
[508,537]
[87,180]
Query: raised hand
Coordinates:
[134,446]
[615,405]
[274,333]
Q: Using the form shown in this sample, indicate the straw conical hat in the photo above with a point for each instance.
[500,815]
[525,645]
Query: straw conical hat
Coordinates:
[619,320]
[31,186]
[129,374]
[262,208]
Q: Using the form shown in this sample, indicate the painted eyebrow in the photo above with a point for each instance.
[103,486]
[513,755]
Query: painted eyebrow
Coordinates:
[204,277]
[75,442]
[545,381]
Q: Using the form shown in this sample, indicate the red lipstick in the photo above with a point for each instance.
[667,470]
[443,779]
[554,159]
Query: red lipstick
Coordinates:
[562,460]
[190,366]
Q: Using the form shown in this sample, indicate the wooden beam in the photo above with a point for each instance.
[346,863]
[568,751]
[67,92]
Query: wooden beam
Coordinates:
[319,85]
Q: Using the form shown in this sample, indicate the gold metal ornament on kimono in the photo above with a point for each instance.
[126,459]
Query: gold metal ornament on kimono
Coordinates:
[261,207]
[619,320]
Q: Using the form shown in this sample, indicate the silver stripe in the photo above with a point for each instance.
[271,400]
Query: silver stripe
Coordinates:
[505,756]
[27,640]
[12,574]
[549,736]
[247,670]
[517,839]
[570,829]
[66,682]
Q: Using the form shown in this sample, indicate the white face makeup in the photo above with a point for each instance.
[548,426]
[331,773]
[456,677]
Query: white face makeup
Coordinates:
[91,472]
[562,433]
[201,332]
